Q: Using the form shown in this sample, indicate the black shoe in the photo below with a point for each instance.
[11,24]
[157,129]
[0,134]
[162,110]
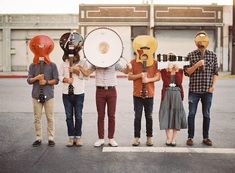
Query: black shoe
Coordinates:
[173,144]
[168,144]
[51,143]
[37,143]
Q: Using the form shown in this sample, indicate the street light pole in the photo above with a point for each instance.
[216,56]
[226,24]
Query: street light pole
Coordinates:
[233,41]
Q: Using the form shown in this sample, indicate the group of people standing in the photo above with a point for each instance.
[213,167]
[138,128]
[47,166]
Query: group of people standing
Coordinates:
[202,71]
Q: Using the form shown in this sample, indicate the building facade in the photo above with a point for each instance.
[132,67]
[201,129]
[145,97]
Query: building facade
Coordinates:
[17,30]
[173,26]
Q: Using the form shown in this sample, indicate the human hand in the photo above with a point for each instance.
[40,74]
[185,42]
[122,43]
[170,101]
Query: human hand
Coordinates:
[144,77]
[211,90]
[39,77]
[200,63]
[42,82]
[175,67]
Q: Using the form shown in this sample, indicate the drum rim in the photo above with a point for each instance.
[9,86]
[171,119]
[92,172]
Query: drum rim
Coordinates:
[107,29]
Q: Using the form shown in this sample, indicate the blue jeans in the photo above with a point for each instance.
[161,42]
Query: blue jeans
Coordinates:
[73,105]
[139,104]
[193,99]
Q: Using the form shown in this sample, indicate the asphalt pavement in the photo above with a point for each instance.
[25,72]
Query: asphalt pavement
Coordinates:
[17,134]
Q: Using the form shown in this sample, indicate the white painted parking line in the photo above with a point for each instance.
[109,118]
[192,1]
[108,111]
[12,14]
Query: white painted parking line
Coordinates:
[171,150]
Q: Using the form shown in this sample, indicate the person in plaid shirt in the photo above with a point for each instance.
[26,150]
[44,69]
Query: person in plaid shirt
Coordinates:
[203,73]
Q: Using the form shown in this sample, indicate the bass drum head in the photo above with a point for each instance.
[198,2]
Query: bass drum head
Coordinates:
[103,47]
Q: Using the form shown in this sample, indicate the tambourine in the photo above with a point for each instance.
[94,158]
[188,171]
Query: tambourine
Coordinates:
[165,59]
[103,47]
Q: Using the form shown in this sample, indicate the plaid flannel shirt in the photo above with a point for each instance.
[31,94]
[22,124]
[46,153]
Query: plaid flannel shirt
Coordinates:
[201,80]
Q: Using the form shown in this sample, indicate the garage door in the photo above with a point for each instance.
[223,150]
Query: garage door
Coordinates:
[179,42]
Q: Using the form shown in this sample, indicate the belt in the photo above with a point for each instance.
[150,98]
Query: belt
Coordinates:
[105,87]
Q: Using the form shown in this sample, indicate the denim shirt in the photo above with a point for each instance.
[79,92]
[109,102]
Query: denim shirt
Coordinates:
[50,72]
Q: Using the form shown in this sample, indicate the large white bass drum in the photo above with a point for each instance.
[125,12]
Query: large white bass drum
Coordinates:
[103,47]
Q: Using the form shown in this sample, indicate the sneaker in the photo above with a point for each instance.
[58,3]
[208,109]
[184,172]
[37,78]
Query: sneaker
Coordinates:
[78,142]
[113,143]
[37,143]
[136,142]
[149,141]
[51,143]
[99,143]
[70,142]
[207,142]
[189,142]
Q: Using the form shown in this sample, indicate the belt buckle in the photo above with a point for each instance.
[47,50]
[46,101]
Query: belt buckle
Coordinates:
[106,87]
[172,85]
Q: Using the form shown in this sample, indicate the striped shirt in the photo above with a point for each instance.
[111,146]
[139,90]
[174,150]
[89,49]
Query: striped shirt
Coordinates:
[106,76]
[201,80]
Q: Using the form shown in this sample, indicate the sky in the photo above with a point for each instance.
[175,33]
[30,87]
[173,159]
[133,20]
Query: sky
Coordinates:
[72,6]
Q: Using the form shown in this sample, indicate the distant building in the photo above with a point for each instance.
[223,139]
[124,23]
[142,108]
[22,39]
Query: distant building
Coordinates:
[17,30]
[173,26]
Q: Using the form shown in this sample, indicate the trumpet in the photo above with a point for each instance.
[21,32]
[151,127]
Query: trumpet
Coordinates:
[165,59]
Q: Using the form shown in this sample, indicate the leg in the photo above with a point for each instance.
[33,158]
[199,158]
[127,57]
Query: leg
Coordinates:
[168,137]
[37,109]
[68,106]
[49,108]
[100,105]
[79,99]
[138,108]
[111,103]
[174,135]
[206,105]
[148,109]
[193,100]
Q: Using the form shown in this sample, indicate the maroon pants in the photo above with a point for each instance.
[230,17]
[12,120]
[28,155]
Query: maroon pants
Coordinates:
[103,97]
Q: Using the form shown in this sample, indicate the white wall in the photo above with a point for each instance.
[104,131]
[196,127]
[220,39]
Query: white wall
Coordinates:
[1,65]
[23,55]
[179,42]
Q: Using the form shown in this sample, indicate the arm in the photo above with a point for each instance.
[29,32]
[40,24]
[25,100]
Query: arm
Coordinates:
[194,67]
[215,75]
[55,75]
[31,78]
[156,77]
[211,89]
[132,76]
[86,71]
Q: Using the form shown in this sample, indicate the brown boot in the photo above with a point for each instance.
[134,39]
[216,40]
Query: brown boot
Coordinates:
[149,141]
[189,142]
[78,142]
[70,143]
[207,141]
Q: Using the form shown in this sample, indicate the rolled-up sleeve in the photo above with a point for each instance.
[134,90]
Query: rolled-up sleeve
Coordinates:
[216,68]
[55,73]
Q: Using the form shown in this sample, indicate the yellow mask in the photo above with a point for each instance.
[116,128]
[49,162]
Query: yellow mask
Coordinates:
[201,40]
[144,47]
